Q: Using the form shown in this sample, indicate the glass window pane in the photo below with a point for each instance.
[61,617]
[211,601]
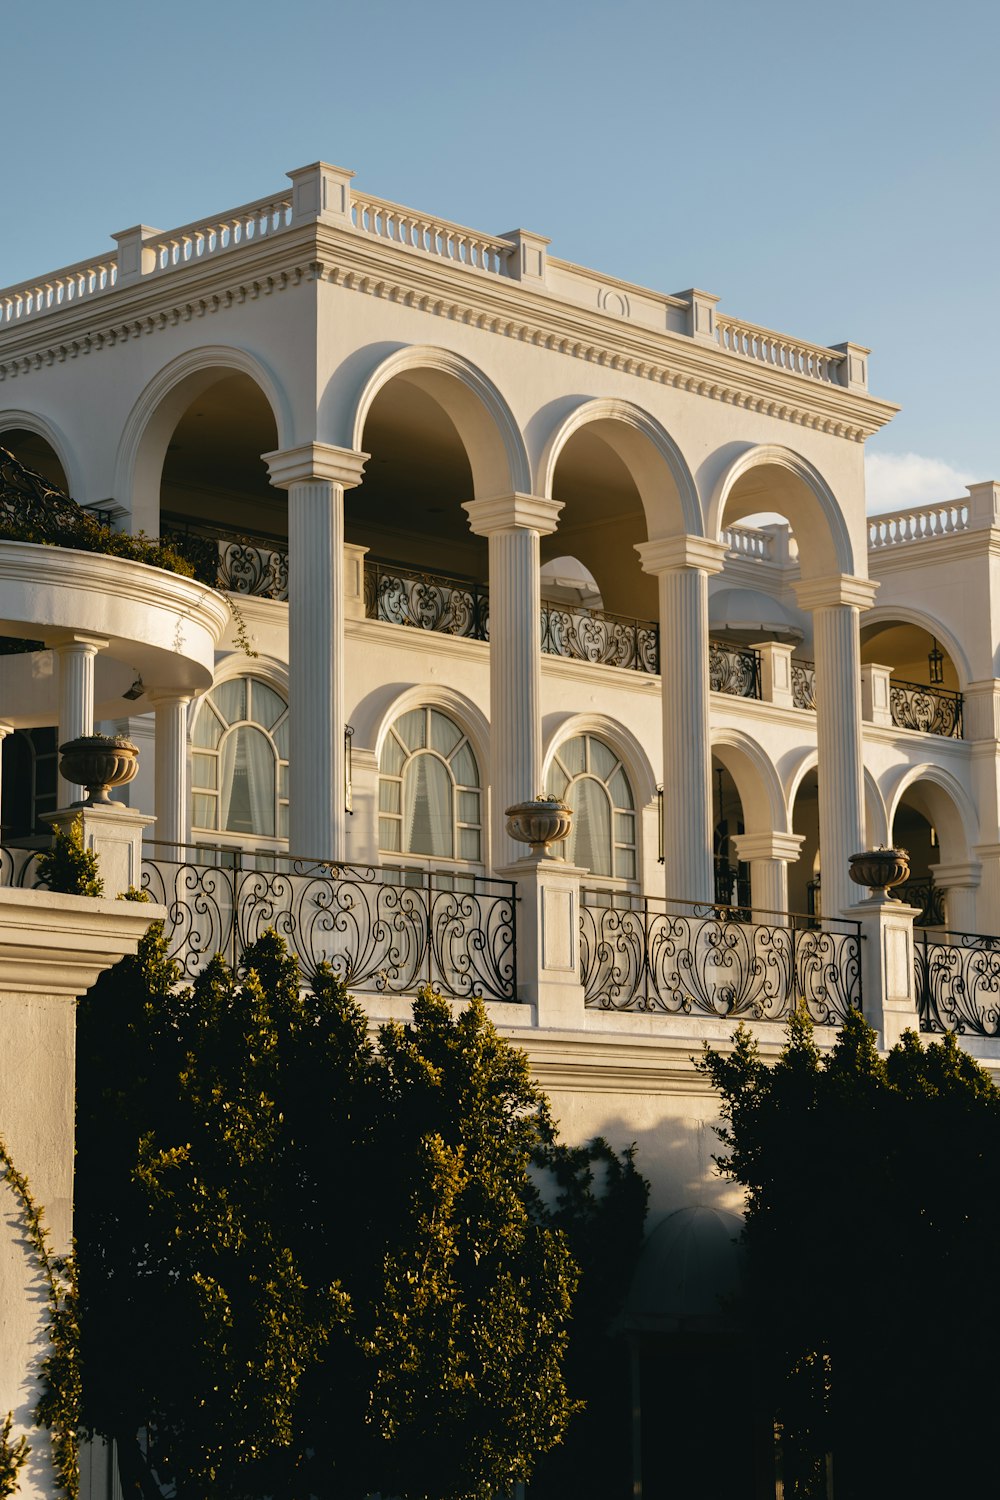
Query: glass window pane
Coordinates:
[468,844]
[572,755]
[444,734]
[412,729]
[625,864]
[624,828]
[557,781]
[428,815]
[393,756]
[283,821]
[204,812]
[247,783]
[230,698]
[602,760]
[389,793]
[265,704]
[590,838]
[204,770]
[281,739]
[282,781]
[207,728]
[468,807]
[389,834]
[464,768]
[621,792]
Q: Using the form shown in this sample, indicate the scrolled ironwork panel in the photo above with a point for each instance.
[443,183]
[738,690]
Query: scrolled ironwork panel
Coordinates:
[733,671]
[604,639]
[472,945]
[929,710]
[828,974]
[613,966]
[804,684]
[958,983]
[19,867]
[426,601]
[200,902]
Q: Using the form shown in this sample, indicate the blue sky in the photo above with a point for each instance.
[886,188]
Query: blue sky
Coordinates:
[828,170]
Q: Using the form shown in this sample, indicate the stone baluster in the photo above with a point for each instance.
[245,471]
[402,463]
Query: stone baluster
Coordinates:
[683,564]
[76,654]
[315,476]
[835,603]
[513,524]
[171,793]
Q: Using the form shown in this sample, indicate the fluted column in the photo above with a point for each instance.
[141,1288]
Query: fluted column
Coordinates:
[315,476]
[768,855]
[835,604]
[171,791]
[683,565]
[513,524]
[76,654]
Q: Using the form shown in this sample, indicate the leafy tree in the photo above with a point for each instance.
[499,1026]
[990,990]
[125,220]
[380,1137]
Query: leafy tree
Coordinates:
[310,1266]
[68,867]
[873,1212]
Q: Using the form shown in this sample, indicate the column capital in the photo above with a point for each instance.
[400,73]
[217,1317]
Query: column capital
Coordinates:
[157,696]
[515,512]
[669,554]
[61,640]
[773,845]
[838,588]
[288,466]
[957,873]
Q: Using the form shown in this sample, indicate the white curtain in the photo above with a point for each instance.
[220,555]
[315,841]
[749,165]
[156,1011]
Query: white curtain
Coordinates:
[590,839]
[246,782]
[428,819]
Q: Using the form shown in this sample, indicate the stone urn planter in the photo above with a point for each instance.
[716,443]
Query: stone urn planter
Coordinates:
[99,762]
[540,822]
[880,868]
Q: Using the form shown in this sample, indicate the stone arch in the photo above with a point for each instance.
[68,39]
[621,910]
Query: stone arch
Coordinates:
[484,421]
[757,781]
[622,741]
[44,427]
[649,453]
[943,801]
[151,422]
[876,816]
[884,614]
[801,493]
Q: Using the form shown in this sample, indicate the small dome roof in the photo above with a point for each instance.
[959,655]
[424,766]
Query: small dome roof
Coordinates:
[746,614]
[689,1266]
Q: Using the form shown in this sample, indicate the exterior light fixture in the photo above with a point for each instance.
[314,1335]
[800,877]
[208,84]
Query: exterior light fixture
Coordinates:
[136,690]
[935,662]
[348,778]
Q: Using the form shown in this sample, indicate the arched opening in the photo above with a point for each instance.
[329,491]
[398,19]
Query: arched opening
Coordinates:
[239,765]
[35,452]
[732,876]
[804,876]
[924,688]
[215,498]
[928,822]
[424,566]
[430,799]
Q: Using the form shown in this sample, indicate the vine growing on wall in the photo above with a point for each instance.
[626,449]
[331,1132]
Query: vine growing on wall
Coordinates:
[59,1403]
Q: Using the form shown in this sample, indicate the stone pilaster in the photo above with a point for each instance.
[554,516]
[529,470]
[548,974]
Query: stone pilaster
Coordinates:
[682,565]
[959,880]
[835,603]
[776,673]
[875,701]
[769,855]
[171,761]
[513,524]
[76,654]
[315,476]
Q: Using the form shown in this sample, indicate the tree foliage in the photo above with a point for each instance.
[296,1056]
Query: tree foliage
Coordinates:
[310,1265]
[873,1213]
[68,867]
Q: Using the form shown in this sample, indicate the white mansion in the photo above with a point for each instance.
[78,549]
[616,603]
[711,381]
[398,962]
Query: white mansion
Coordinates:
[498,525]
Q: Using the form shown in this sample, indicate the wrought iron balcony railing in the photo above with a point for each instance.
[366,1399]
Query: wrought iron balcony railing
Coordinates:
[957,978]
[381,931]
[931,710]
[804,684]
[252,565]
[427,601]
[676,958]
[734,670]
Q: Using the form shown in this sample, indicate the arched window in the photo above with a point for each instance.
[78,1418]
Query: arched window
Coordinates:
[239,761]
[586,773]
[429,797]
[30,781]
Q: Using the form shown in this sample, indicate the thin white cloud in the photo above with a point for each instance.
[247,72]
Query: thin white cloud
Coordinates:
[894,481]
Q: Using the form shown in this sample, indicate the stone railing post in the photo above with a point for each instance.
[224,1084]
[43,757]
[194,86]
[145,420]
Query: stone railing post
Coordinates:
[854,366]
[875,702]
[835,603]
[52,948]
[528,259]
[513,524]
[701,315]
[888,984]
[135,258]
[682,565]
[776,673]
[114,833]
[548,938]
[321,194]
[354,581]
[315,476]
